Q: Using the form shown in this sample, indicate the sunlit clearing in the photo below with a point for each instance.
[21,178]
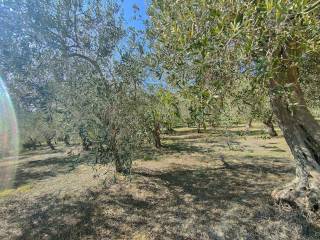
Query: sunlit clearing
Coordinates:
[9,140]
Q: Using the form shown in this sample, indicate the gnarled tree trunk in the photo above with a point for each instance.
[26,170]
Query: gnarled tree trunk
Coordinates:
[123,166]
[270,128]
[49,143]
[302,133]
[156,135]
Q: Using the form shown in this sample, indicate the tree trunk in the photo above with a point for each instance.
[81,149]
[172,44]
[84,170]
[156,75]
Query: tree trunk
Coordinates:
[66,140]
[156,135]
[204,126]
[33,143]
[119,166]
[249,124]
[49,143]
[85,145]
[122,167]
[199,128]
[270,128]
[86,142]
[302,133]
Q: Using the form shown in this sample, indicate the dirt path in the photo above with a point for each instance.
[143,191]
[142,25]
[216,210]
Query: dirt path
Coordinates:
[199,186]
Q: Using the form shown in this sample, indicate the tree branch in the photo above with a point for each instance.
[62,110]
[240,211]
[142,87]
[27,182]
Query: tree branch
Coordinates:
[91,61]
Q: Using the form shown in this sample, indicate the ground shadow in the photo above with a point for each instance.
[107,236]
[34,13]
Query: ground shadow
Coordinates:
[31,171]
[187,204]
[237,132]
[218,201]
[183,147]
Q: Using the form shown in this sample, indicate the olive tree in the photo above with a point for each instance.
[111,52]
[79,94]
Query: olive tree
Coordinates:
[162,110]
[68,49]
[272,40]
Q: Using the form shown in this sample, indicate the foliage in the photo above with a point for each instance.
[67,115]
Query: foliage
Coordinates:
[270,47]
[60,59]
[224,39]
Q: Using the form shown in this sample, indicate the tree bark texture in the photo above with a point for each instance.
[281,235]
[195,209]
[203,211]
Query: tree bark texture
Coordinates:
[302,133]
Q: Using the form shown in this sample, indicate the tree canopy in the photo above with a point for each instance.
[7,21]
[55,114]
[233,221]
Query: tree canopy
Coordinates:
[78,72]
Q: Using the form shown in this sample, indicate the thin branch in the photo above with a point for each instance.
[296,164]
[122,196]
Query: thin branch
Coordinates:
[91,61]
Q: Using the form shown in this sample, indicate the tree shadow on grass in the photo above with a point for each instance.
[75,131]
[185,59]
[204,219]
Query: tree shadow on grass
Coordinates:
[31,171]
[185,137]
[239,195]
[273,148]
[182,147]
[237,132]
[40,151]
[181,204]
[54,218]
[151,154]
[231,201]
[237,181]
[187,131]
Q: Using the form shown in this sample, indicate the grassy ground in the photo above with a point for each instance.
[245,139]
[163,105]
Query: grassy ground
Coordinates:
[214,185]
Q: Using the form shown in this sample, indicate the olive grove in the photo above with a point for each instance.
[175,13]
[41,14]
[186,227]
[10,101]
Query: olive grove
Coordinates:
[271,42]
[80,75]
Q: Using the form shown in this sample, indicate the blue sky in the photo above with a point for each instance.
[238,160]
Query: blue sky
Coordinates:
[129,12]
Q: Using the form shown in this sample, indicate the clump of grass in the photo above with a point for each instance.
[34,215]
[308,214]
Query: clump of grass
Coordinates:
[140,236]
[6,192]
[11,191]
[24,188]
[147,158]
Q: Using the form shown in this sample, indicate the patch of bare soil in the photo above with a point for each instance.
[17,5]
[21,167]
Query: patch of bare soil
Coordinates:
[214,185]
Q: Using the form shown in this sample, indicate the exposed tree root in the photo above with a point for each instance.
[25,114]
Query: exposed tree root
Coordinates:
[306,199]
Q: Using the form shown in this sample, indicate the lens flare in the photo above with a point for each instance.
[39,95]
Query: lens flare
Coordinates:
[9,139]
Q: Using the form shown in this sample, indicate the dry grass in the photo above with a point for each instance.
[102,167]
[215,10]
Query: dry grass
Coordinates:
[214,185]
